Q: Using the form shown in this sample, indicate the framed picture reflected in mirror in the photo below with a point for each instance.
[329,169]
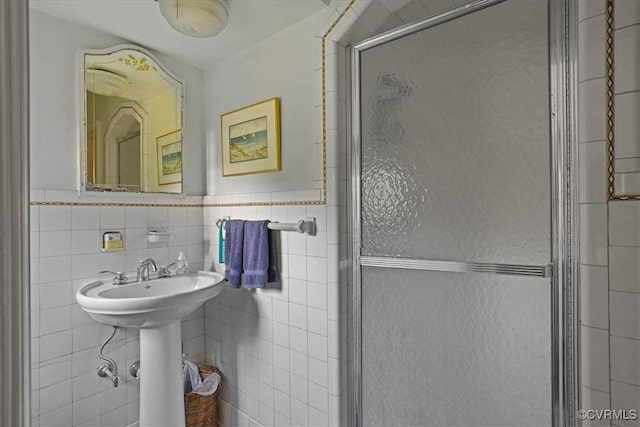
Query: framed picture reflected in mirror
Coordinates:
[169,148]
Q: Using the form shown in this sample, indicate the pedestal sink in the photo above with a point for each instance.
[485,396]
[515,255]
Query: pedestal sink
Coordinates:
[156,307]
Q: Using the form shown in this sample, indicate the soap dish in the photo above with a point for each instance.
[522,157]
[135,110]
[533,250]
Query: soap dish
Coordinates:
[157,236]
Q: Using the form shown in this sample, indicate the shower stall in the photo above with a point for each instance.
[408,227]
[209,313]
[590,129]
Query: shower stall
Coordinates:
[461,220]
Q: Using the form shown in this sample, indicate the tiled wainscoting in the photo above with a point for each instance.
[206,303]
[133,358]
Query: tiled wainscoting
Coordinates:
[610,230]
[66,253]
[280,348]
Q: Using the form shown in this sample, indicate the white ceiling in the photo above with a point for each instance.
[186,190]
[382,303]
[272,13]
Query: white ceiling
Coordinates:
[140,22]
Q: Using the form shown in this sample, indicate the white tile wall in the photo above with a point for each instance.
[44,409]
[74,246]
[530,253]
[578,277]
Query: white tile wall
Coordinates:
[591,36]
[277,372]
[288,332]
[625,268]
[627,108]
[625,354]
[593,234]
[595,358]
[591,114]
[626,13]
[65,341]
[590,8]
[414,11]
[610,230]
[627,69]
[594,296]
[624,221]
[595,399]
[624,396]
[624,312]
[593,172]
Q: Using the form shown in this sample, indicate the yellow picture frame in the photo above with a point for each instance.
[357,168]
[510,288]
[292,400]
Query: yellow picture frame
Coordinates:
[169,153]
[250,139]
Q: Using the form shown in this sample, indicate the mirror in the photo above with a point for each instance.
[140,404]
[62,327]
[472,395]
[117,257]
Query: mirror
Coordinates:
[132,123]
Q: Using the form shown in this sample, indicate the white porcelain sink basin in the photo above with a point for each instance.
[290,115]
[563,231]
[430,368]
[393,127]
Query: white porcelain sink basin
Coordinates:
[148,304]
[156,307]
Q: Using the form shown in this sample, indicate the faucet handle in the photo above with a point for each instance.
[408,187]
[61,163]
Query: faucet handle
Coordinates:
[164,270]
[119,279]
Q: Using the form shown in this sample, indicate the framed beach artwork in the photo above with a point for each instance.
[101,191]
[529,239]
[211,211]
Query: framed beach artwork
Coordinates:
[170,158]
[251,139]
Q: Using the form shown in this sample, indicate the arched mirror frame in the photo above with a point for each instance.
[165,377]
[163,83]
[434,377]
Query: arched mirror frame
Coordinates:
[145,138]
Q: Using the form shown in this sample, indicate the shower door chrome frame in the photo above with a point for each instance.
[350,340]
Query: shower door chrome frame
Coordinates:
[562,18]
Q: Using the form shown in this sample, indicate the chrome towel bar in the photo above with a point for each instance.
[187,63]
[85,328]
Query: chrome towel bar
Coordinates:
[304,226]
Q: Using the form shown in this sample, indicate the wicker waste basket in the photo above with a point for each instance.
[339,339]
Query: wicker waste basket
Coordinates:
[202,411]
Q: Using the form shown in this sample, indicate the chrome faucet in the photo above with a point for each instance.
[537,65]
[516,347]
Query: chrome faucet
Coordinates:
[143,269]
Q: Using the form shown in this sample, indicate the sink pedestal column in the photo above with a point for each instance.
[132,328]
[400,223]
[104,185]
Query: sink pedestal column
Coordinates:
[161,384]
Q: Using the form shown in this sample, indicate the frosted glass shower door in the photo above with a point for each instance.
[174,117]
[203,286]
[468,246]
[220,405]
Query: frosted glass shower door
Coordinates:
[455,222]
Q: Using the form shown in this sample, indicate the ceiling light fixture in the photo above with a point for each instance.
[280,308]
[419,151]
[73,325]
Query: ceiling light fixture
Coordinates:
[195,18]
[103,82]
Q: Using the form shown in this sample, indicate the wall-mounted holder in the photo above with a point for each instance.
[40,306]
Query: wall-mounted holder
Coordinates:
[159,235]
[304,226]
[112,240]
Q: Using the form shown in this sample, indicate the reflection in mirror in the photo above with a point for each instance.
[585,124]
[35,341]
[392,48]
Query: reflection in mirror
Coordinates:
[133,123]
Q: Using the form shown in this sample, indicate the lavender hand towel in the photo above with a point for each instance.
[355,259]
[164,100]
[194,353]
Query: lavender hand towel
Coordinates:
[259,256]
[233,251]
[273,275]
